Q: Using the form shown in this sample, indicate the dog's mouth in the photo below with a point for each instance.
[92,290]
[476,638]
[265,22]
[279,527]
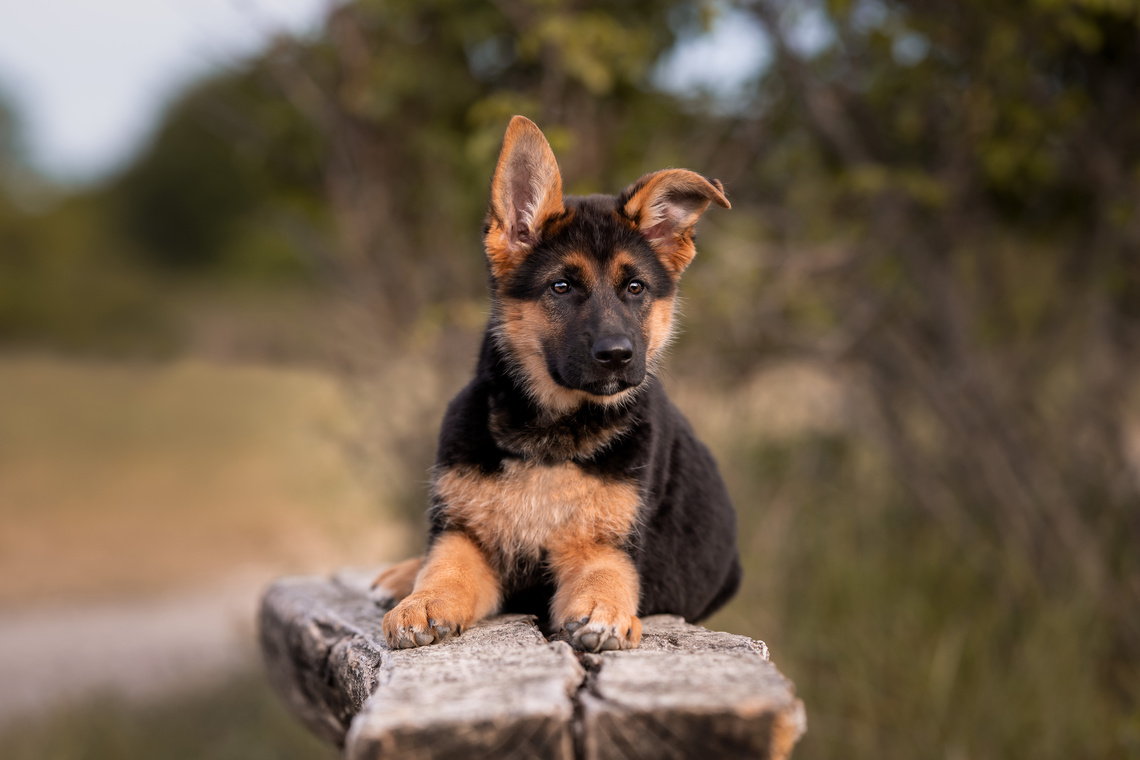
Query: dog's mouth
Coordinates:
[610,384]
[610,387]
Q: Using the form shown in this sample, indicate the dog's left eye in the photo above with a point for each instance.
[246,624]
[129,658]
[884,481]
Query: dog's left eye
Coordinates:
[635,287]
[561,287]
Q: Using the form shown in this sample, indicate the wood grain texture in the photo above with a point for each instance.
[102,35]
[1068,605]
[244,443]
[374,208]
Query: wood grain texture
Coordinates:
[688,692]
[502,690]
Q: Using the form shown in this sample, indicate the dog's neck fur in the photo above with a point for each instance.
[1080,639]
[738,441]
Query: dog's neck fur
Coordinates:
[523,428]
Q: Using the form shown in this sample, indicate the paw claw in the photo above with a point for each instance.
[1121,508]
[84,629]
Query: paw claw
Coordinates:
[413,623]
[603,631]
[442,630]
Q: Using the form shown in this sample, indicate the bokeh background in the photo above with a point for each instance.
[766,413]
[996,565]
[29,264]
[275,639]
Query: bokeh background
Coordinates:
[240,276]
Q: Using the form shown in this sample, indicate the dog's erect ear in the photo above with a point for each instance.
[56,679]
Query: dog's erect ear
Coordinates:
[665,206]
[525,193]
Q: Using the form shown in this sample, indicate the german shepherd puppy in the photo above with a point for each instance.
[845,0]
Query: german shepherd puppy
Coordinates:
[566,484]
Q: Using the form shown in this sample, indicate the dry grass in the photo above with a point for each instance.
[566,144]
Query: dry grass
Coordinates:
[118,479]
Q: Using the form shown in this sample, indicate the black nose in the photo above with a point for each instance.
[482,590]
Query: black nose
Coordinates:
[613,352]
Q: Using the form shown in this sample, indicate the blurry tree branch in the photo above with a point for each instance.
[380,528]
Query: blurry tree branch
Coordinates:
[968,398]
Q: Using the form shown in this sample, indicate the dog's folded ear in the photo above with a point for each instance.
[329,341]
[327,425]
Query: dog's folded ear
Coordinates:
[526,192]
[665,206]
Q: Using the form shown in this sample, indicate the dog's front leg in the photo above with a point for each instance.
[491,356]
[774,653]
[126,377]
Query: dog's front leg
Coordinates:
[596,596]
[455,587]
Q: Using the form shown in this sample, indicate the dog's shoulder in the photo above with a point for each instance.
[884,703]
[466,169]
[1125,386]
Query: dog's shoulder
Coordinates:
[465,437]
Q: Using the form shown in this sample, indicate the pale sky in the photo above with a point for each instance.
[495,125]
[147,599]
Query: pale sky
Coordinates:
[89,78]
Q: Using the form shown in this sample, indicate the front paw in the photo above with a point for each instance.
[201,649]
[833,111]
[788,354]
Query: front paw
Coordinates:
[601,629]
[420,620]
[395,582]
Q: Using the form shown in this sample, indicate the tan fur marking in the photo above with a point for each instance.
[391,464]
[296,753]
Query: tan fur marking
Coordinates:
[659,329]
[529,507]
[640,203]
[584,266]
[498,248]
[523,326]
[681,253]
[621,261]
[455,587]
[597,584]
[398,580]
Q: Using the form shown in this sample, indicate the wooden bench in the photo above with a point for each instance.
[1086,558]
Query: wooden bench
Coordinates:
[502,690]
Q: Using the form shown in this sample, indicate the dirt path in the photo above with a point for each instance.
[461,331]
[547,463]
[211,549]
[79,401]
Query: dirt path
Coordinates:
[136,650]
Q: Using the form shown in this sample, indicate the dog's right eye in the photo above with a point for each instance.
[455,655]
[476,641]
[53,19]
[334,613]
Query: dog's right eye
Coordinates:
[561,287]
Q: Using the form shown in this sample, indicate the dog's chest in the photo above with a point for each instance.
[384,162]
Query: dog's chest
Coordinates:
[527,507]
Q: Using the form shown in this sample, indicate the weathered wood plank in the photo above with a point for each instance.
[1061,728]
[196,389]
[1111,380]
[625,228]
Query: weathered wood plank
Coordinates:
[688,692]
[501,690]
[319,642]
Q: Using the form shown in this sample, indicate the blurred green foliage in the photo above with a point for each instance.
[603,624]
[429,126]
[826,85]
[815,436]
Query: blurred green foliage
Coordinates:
[230,156]
[239,720]
[222,196]
[64,284]
[934,199]
[905,641]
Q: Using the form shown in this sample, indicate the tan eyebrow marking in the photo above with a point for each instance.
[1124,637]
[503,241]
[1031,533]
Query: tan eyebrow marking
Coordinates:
[583,266]
[621,263]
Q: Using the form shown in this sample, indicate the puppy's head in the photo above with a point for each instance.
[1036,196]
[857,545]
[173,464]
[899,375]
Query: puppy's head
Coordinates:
[584,288]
